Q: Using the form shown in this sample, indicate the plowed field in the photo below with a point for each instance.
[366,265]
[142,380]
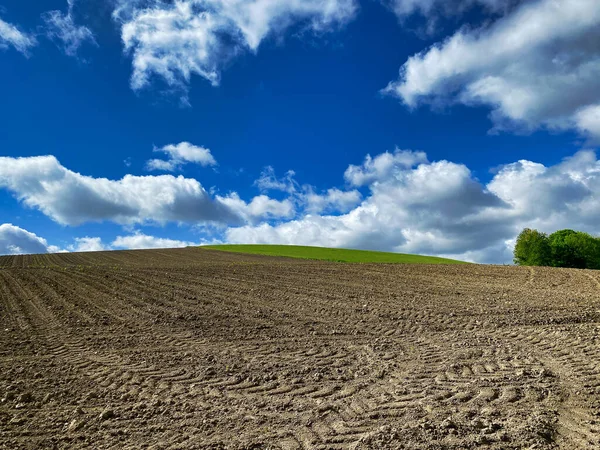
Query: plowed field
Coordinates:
[194,348]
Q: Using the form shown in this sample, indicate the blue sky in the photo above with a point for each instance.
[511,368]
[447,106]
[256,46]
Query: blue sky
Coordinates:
[421,126]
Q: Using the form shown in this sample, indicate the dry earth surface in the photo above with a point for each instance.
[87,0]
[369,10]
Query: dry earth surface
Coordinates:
[199,349]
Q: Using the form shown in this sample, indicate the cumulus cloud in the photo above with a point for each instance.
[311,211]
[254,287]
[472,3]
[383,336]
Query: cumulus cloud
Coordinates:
[588,120]
[382,166]
[61,27]
[10,35]
[87,244]
[71,198]
[440,208]
[333,200]
[15,240]
[174,40]
[179,155]
[537,66]
[563,196]
[420,207]
[142,241]
[260,207]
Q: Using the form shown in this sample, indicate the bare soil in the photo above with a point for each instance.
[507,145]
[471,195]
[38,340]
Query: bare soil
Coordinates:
[199,349]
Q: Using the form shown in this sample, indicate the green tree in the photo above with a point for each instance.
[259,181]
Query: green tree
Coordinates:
[532,249]
[575,249]
[562,250]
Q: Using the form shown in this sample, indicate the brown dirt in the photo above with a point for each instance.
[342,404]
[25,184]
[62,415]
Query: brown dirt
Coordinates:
[192,348]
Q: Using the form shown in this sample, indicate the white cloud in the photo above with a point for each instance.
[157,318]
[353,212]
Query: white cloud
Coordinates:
[563,196]
[135,241]
[181,154]
[268,181]
[143,241]
[61,27]
[71,198]
[304,197]
[382,166]
[538,66]
[587,119]
[333,200]
[87,244]
[10,35]
[432,8]
[260,207]
[413,206]
[15,240]
[440,208]
[162,165]
[184,37]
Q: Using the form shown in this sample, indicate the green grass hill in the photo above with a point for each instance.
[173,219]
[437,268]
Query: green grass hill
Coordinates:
[333,254]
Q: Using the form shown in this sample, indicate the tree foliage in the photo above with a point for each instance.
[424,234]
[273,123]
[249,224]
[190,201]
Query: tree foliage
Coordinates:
[532,249]
[563,248]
